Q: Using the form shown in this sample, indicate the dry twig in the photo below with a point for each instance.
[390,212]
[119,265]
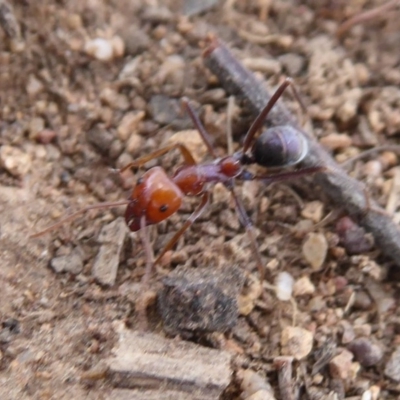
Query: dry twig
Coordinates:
[366,16]
[340,187]
[283,365]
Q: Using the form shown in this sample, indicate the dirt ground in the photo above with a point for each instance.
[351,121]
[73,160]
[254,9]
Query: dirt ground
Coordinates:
[73,108]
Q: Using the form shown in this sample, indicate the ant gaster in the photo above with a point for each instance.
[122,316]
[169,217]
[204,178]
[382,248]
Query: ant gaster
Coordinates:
[156,196]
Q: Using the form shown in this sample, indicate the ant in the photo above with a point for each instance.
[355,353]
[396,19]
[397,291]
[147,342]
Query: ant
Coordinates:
[157,196]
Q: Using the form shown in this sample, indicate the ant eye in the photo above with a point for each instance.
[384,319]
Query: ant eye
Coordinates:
[140,181]
[163,208]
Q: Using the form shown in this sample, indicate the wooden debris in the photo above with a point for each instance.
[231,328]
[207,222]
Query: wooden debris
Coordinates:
[344,190]
[151,362]
[126,394]
[105,267]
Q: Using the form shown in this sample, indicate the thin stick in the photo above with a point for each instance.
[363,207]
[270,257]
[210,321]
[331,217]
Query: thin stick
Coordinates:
[365,17]
[345,191]
[80,212]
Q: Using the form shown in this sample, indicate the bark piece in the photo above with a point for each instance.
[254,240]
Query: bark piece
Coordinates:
[112,237]
[344,190]
[148,361]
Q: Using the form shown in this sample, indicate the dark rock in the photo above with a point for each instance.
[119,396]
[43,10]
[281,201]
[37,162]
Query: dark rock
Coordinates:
[352,237]
[366,352]
[168,111]
[200,300]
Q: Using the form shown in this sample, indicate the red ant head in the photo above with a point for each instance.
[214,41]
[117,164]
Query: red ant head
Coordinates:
[155,197]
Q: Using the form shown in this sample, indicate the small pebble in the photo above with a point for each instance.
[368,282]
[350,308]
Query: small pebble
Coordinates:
[130,124]
[335,141]
[193,141]
[293,63]
[105,49]
[167,111]
[264,65]
[392,367]
[348,109]
[313,210]
[99,48]
[34,86]
[315,249]
[372,169]
[366,352]
[114,99]
[118,46]
[284,286]
[353,237]
[172,70]
[383,298]
[72,263]
[303,287]
[362,301]
[36,125]
[348,334]
[249,296]
[362,330]
[296,342]
[157,14]
[388,159]
[220,194]
[101,138]
[252,383]
[46,136]
[261,395]
[193,7]
[15,161]
[340,365]
[136,40]
[372,393]
[134,144]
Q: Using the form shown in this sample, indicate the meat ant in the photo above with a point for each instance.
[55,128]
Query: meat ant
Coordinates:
[157,196]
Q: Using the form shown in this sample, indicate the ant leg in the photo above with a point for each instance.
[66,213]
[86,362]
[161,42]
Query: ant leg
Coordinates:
[248,225]
[196,214]
[144,235]
[187,155]
[267,179]
[79,212]
[146,296]
[258,122]
[199,126]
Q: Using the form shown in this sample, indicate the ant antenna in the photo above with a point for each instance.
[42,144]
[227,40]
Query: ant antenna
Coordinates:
[80,212]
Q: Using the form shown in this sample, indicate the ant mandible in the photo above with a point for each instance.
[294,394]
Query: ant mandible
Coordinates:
[157,196]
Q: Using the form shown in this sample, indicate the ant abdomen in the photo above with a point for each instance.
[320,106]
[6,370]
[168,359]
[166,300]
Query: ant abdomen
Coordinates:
[279,146]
